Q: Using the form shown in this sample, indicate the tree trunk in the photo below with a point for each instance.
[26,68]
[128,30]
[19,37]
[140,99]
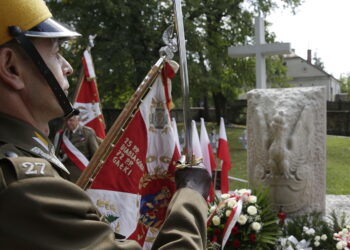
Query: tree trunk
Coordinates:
[206,107]
[220,106]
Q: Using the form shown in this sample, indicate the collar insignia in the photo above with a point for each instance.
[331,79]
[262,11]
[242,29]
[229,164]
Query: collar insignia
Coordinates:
[41,140]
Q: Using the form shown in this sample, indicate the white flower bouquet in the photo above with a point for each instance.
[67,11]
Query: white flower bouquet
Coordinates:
[343,238]
[241,220]
[314,232]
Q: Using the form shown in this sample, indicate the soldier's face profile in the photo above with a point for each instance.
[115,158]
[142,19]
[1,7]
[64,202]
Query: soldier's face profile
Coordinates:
[42,96]
[49,49]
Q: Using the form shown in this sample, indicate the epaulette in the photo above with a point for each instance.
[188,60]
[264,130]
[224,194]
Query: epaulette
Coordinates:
[10,150]
[19,168]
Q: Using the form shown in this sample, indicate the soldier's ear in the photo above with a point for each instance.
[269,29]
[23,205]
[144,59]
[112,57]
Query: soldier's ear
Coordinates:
[10,68]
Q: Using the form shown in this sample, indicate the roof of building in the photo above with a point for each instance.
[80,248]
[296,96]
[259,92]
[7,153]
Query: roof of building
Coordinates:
[294,56]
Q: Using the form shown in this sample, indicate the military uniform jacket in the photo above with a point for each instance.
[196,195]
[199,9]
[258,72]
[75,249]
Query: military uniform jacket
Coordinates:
[85,140]
[41,210]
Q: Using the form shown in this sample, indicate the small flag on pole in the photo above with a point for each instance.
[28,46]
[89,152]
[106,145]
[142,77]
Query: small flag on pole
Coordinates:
[196,146]
[176,134]
[207,151]
[87,99]
[208,155]
[224,155]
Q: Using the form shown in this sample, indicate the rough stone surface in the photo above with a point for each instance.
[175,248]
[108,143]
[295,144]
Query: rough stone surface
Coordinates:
[287,146]
[339,203]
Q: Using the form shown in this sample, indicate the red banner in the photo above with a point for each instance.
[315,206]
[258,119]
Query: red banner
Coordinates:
[136,182]
[87,99]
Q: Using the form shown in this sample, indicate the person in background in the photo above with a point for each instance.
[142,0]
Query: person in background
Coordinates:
[39,208]
[77,145]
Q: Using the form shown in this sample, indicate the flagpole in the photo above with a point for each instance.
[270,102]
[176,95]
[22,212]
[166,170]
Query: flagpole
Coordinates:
[215,179]
[81,75]
[184,79]
[216,175]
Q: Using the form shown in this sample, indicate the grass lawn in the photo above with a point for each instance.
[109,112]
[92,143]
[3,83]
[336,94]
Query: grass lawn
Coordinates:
[338,162]
[338,165]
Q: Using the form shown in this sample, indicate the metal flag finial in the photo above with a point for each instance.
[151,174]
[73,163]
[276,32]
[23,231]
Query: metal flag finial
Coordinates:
[184,78]
[91,43]
[169,40]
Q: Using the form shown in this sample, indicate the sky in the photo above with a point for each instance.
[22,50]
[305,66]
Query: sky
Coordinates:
[320,25]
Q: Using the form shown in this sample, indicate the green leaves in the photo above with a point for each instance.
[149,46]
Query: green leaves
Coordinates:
[129,38]
[126,46]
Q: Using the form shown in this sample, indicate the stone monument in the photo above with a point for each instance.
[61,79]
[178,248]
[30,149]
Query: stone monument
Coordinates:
[287,146]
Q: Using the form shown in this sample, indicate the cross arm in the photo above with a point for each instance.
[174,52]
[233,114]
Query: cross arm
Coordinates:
[241,51]
[269,49]
[266,49]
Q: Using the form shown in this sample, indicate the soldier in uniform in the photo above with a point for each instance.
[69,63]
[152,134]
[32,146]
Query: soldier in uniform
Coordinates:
[39,209]
[79,138]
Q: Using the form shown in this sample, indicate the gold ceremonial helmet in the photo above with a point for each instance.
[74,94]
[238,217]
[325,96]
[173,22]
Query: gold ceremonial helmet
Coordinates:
[22,19]
[32,17]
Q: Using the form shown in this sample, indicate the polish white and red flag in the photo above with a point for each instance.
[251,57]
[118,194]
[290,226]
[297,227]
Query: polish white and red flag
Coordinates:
[223,154]
[196,146]
[136,182]
[176,134]
[87,98]
[208,156]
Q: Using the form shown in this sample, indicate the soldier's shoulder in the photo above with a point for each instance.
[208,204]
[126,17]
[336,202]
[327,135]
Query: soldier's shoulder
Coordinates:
[14,167]
[10,150]
[88,130]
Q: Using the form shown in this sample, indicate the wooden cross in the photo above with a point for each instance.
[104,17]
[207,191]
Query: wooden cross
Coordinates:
[260,49]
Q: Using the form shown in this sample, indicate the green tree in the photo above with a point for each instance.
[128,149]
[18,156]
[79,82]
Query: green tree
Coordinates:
[345,84]
[317,61]
[129,37]
[211,27]
[276,72]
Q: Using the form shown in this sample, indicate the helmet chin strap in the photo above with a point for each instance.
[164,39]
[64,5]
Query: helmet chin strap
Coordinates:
[33,53]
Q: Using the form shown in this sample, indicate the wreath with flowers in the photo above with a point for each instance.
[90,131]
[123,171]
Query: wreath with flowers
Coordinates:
[314,231]
[342,238]
[241,220]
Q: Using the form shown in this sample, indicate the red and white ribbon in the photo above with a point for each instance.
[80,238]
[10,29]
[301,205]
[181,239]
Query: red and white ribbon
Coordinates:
[73,153]
[232,219]
[231,222]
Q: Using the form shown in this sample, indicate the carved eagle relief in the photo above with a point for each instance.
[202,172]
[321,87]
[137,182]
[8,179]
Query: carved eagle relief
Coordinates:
[286,146]
[283,139]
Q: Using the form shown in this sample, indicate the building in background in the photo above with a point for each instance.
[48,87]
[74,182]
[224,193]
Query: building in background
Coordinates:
[303,73]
